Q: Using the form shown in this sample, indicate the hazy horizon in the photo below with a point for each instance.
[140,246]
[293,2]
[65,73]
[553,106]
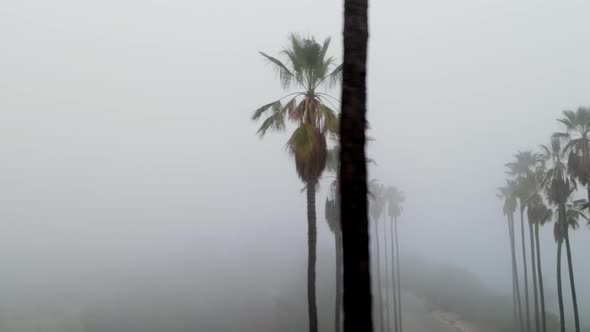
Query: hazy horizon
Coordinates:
[128,145]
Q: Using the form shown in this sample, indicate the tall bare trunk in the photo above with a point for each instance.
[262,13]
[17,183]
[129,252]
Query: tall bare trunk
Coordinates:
[353,171]
[378,292]
[515,279]
[311,258]
[386,283]
[572,282]
[399,289]
[540,275]
[559,288]
[338,300]
[393,278]
[524,265]
[534,269]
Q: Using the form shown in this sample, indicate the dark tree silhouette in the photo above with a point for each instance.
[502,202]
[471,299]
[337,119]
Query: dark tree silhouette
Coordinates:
[508,193]
[353,171]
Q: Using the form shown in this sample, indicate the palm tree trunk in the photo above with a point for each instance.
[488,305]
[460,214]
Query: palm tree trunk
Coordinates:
[515,279]
[399,289]
[572,282]
[514,306]
[534,269]
[353,170]
[585,163]
[393,278]
[338,300]
[514,310]
[559,288]
[387,311]
[524,265]
[379,300]
[540,275]
[311,258]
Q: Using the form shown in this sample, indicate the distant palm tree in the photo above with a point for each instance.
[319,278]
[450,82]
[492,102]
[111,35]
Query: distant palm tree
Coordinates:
[332,212]
[395,199]
[353,171]
[308,68]
[386,274]
[508,193]
[376,208]
[559,185]
[523,169]
[577,134]
[538,215]
[573,213]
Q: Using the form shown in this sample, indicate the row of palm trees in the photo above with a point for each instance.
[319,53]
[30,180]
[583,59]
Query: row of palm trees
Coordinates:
[544,184]
[309,70]
[386,201]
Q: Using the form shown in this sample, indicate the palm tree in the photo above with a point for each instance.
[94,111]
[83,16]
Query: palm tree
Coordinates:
[353,171]
[508,193]
[395,199]
[523,168]
[572,213]
[538,215]
[559,185]
[332,212]
[577,133]
[530,186]
[376,207]
[308,68]
[386,274]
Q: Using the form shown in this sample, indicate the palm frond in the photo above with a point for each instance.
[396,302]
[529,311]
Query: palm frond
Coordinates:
[561,135]
[335,77]
[257,113]
[285,75]
[275,122]
[302,141]
[329,118]
[567,121]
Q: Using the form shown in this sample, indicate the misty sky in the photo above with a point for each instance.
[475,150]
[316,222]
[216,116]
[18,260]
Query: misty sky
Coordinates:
[126,137]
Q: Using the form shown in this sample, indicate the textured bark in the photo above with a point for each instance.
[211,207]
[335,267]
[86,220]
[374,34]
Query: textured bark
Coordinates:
[353,171]
[311,258]
[338,300]
[534,269]
[540,275]
[572,281]
[399,289]
[524,265]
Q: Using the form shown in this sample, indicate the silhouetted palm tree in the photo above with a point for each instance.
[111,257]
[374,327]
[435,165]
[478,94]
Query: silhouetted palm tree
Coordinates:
[376,209]
[353,171]
[308,68]
[508,193]
[395,199]
[523,169]
[559,185]
[538,215]
[332,212]
[577,134]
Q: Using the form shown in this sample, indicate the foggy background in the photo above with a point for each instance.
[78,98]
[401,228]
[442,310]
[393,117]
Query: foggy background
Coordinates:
[131,169]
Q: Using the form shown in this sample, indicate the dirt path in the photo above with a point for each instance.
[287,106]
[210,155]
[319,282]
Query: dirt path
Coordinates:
[417,318]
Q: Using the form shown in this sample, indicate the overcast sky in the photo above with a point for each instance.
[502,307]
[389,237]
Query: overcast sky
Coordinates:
[126,134]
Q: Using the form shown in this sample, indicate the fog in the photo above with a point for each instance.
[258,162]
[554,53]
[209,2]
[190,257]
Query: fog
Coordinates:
[134,187]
